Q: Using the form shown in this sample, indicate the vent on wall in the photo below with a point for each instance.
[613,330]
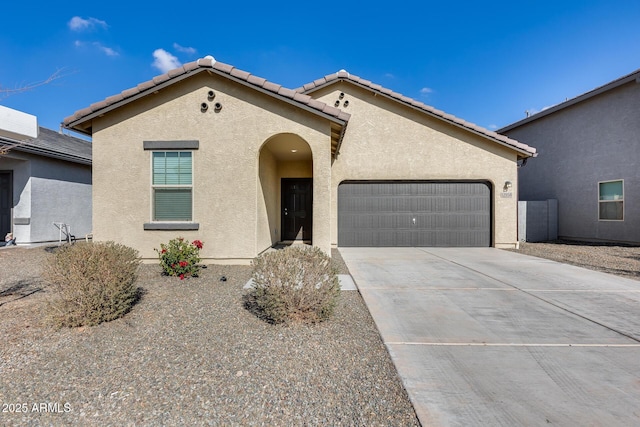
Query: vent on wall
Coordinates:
[340,98]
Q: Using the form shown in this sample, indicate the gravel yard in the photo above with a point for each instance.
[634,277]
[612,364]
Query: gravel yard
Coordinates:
[619,259]
[189,354]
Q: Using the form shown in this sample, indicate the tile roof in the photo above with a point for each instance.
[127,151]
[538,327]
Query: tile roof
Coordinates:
[343,75]
[50,143]
[297,97]
[631,77]
[207,63]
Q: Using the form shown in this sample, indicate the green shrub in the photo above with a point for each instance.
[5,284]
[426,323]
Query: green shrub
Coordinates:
[180,258]
[91,283]
[297,284]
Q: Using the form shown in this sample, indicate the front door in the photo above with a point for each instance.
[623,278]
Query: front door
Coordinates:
[6,200]
[297,204]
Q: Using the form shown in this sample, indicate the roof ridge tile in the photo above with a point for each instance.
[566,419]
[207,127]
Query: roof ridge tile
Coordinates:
[207,61]
[236,72]
[289,93]
[129,92]
[145,85]
[203,63]
[320,82]
[301,97]
[190,66]
[225,68]
[176,72]
[314,103]
[255,80]
[114,98]
[160,79]
[270,86]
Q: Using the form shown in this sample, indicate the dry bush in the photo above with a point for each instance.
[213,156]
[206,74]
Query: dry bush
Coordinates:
[294,285]
[91,283]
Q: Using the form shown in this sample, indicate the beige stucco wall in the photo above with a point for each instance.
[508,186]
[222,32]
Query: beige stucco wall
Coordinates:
[235,216]
[272,170]
[268,190]
[388,141]
[238,170]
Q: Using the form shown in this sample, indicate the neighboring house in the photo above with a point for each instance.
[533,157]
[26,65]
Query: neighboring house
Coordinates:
[589,148]
[16,126]
[44,180]
[211,152]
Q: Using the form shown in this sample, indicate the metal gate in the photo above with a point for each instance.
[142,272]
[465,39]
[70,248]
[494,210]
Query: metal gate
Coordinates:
[384,213]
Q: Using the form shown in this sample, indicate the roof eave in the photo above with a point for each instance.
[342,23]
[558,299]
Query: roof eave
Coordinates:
[27,148]
[77,125]
[73,125]
[277,96]
[522,153]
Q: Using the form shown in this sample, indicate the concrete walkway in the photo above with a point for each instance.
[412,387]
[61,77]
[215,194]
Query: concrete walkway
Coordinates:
[482,336]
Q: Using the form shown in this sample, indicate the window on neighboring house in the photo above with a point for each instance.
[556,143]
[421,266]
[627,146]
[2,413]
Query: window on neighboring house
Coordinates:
[611,200]
[172,186]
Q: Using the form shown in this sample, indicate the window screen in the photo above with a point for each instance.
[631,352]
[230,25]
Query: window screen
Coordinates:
[172,186]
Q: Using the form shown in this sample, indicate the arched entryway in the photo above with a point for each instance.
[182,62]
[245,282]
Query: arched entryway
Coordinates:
[285,191]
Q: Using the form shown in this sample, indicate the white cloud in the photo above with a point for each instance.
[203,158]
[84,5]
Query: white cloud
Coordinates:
[189,50]
[164,61]
[426,91]
[106,50]
[390,76]
[492,127]
[80,24]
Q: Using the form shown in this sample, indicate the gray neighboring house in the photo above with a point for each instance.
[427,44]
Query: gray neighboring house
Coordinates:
[589,153]
[45,180]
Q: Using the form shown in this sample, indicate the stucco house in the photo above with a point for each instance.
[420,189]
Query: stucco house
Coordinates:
[589,147]
[211,152]
[44,180]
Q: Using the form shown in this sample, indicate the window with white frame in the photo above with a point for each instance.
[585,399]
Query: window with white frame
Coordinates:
[172,185]
[611,200]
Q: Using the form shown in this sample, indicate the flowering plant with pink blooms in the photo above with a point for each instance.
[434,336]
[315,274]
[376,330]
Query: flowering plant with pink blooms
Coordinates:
[180,258]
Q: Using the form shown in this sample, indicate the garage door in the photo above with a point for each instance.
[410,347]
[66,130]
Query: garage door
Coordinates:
[374,213]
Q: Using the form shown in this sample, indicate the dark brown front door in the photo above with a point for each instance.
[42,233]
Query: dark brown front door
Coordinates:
[6,203]
[297,203]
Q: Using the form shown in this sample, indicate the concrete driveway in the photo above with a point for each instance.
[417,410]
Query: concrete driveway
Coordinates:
[482,336]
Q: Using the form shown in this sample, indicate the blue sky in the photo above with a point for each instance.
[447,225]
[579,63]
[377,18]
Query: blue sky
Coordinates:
[485,62]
